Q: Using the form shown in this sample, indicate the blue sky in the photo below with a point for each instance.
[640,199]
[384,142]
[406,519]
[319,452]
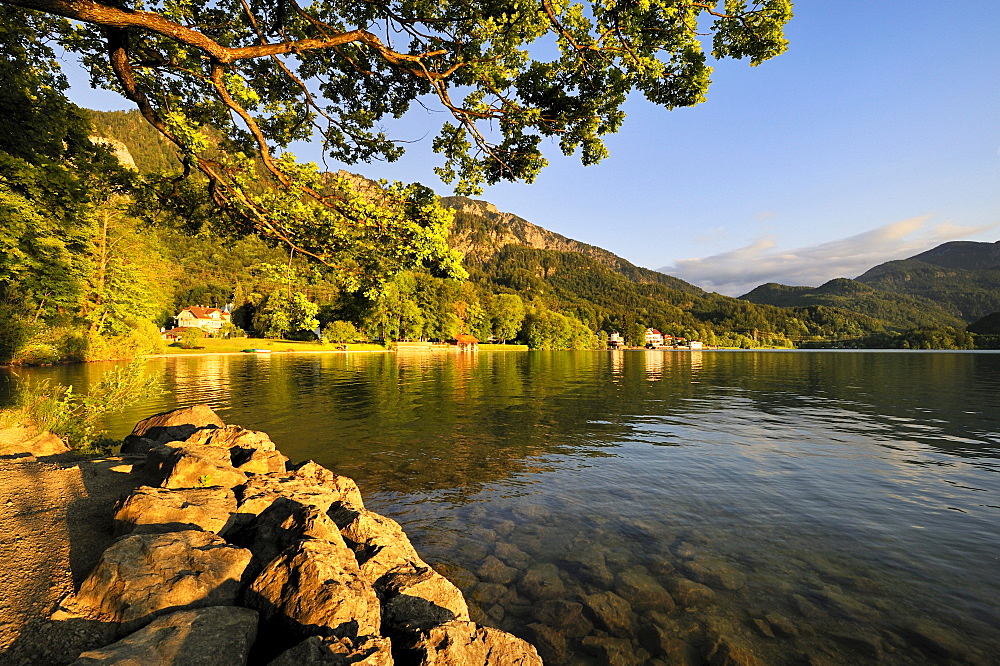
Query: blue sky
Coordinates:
[876,136]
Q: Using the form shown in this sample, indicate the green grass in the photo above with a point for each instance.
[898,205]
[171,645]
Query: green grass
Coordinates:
[221,346]
[488,347]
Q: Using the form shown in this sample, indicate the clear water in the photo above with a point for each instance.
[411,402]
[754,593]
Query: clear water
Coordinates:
[838,507]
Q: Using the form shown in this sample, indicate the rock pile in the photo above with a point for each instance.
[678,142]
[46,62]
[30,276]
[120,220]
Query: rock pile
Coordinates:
[232,553]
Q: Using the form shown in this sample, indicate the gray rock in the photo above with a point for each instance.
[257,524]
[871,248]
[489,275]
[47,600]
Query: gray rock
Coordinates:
[315,587]
[146,575]
[611,612]
[781,625]
[337,651]
[174,510]
[213,636]
[933,639]
[466,644]
[512,556]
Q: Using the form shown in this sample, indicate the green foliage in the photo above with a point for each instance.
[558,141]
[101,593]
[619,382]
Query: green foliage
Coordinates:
[281,313]
[341,331]
[76,417]
[15,331]
[190,337]
[544,329]
[506,316]
[918,338]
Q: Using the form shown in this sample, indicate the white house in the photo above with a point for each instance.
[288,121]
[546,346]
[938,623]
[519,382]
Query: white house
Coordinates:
[209,320]
[654,337]
[616,341]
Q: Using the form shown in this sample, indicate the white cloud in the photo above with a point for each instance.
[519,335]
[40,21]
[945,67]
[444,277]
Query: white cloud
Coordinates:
[738,271]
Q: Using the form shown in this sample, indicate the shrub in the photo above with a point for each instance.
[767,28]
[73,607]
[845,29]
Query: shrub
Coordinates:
[190,338]
[75,417]
[341,331]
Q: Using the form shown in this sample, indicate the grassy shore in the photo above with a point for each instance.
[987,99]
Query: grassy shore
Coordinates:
[236,345]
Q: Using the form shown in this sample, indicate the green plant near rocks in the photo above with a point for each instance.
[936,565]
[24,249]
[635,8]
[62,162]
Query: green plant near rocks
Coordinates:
[76,417]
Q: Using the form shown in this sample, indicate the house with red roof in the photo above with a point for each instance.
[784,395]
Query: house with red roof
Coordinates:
[209,320]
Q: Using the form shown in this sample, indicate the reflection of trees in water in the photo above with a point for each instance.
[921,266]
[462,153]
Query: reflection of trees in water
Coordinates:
[944,400]
[439,421]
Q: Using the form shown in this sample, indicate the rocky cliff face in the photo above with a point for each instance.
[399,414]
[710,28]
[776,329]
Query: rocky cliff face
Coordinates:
[481,230]
[118,149]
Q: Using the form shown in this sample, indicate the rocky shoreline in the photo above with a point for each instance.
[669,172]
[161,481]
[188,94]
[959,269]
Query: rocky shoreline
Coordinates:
[231,554]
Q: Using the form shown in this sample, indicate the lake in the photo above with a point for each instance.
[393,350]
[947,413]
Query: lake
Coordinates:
[660,506]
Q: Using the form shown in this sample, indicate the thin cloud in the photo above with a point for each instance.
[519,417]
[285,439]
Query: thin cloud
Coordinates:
[738,271]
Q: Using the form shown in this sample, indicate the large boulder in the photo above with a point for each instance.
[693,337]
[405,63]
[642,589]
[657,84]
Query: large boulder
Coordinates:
[337,651]
[173,426]
[379,542]
[281,525]
[315,587]
[174,510]
[214,636]
[198,465]
[417,598]
[307,485]
[467,644]
[28,439]
[146,575]
[232,437]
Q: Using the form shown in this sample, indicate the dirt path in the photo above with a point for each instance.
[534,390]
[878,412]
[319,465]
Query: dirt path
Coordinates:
[55,521]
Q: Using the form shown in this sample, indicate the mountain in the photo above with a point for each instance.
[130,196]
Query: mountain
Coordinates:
[900,311]
[962,277]
[481,231]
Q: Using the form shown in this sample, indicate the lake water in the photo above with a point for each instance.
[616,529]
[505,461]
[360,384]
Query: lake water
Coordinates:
[630,507]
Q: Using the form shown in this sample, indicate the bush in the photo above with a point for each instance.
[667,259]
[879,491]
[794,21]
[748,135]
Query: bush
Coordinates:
[15,332]
[190,338]
[75,417]
[341,331]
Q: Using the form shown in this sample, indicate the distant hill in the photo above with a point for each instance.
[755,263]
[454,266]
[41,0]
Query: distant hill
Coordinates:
[481,231]
[899,311]
[962,277]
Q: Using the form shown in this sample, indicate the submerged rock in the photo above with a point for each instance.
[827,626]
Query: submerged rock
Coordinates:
[611,612]
[715,573]
[542,581]
[144,575]
[213,636]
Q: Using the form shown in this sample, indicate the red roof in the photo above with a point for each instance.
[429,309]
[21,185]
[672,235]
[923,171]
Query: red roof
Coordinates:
[654,331]
[466,339]
[203,313]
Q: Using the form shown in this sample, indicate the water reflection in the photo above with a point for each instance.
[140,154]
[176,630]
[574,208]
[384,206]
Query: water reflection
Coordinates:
[802,507]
